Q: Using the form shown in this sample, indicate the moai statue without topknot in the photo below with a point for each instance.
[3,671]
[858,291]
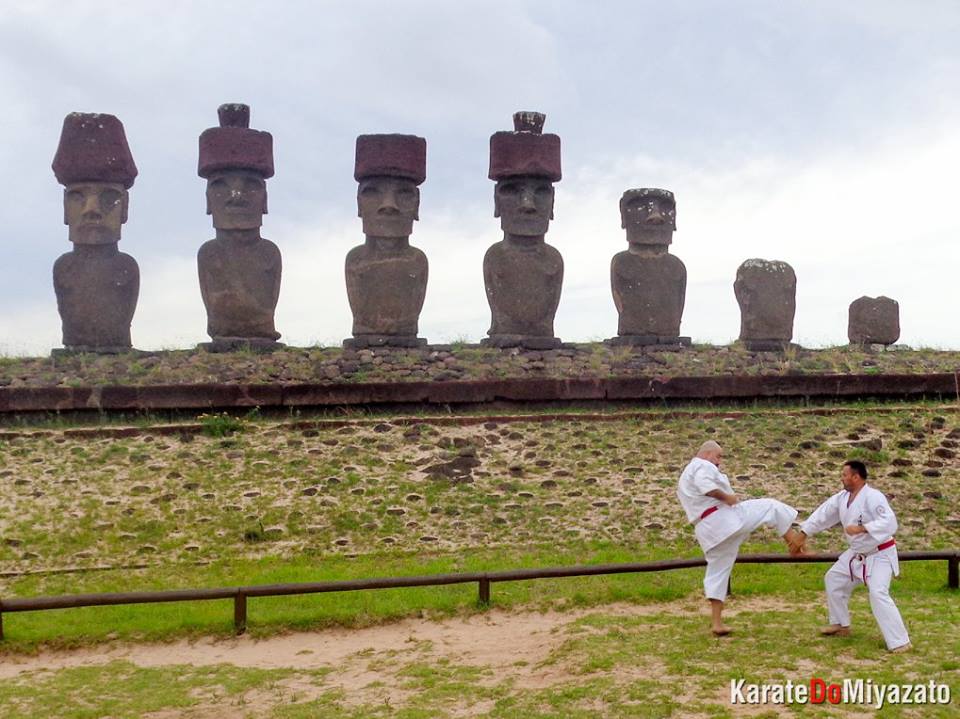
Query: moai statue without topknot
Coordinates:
[96,285]
[239,270]
[386,276]
[649,284]
[522,274]
[874,321]
[766,291]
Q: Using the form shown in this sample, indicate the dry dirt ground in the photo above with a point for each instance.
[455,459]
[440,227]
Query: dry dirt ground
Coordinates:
[367,664]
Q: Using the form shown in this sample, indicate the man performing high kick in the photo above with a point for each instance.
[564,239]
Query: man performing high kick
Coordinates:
[722,523]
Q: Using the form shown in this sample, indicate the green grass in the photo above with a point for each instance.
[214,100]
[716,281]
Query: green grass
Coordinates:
[659,662]
[27,631]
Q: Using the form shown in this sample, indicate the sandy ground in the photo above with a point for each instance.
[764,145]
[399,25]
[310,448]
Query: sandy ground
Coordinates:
[365,663]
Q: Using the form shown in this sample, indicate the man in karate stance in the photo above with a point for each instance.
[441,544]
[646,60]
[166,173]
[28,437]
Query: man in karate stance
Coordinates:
[868,525]
[722,523]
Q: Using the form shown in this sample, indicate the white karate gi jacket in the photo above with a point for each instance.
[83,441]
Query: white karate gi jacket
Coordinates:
[698,478]
[869,509]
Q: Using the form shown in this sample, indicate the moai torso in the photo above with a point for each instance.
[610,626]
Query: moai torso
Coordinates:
[386,286]
[97,289]
[766,291]
[874,320]
[523,283]
[649,291]
[240,285]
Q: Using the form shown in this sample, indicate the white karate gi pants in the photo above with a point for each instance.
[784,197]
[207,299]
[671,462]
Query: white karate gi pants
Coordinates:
[879,572]
[721,557]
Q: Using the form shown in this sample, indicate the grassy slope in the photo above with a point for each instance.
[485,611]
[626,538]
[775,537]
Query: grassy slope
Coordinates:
[560,493]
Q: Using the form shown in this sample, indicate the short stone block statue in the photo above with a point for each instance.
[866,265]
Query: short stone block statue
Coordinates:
[648,283]
[874,321]
[766,291]
[239,270]
[522,274]
[387,277]
[97,286]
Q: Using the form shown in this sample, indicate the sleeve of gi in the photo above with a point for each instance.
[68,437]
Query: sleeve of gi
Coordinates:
[884,522]
[825,516]
[704,478]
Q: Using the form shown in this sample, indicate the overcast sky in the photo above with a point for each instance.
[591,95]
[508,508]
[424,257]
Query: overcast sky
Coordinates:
[825,134]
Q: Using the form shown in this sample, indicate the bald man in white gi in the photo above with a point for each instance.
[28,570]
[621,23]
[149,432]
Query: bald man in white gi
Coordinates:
[722,523]
[868,525]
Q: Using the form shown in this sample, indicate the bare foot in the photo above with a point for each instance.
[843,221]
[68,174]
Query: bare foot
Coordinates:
[835,630]
[721,631]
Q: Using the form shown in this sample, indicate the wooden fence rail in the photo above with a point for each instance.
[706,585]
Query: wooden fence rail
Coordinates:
[239,595]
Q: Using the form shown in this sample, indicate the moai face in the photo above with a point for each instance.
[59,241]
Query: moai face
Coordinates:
[524,205]
[237,199]
[648,219]
[388,206]
[94,212]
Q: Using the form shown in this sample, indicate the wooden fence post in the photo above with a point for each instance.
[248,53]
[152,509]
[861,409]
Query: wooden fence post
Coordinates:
[485,592]
[240,612]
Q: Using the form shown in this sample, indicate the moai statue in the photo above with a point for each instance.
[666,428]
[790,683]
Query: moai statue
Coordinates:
[386,277]
[766,291]
[239,270]
[874,321]
[96,285]
[649,284]
[522,274]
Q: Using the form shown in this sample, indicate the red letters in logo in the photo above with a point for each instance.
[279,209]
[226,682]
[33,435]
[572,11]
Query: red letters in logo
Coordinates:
[820,691]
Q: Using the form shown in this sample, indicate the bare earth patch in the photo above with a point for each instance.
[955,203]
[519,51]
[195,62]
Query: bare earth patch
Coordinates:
[366,665]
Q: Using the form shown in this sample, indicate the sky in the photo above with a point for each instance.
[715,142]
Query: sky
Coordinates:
[823,134]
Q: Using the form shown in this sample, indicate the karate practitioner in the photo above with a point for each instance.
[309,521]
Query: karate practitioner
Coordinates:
[722,523]
[868,525]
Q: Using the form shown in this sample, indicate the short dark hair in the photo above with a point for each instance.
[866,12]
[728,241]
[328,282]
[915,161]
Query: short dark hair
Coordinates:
[857,466]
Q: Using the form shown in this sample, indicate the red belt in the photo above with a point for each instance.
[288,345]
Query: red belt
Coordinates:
[708,512]
[880,547]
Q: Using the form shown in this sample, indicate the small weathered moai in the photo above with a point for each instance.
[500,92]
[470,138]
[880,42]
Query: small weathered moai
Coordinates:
[874,321]
[239,270]
[766,291]
[97,286]
[386,276]
[522,274]
[649,284]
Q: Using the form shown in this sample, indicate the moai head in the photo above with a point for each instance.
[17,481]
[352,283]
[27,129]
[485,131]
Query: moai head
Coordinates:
[524,163]
[649,215]
[94,164]
[389,169]
[236,162]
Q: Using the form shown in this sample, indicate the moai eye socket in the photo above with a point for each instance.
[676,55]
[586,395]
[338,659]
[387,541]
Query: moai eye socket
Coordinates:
[251,184]
[509,189]
[109,200]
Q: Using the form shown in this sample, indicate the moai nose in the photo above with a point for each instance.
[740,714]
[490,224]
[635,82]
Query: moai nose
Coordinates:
[91,206]
[527,201]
